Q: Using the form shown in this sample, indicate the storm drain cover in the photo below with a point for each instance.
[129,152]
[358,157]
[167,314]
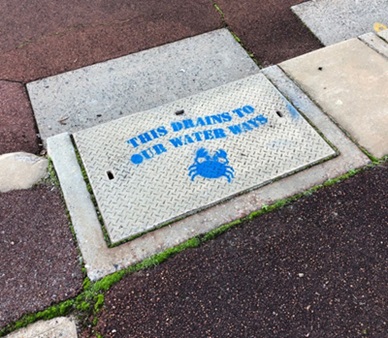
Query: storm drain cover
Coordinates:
[150,168]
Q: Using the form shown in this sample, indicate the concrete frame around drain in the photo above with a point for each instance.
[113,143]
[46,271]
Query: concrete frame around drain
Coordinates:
[101,260]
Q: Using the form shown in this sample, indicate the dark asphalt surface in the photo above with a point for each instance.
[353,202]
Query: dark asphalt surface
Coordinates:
[316,268]
[39,258]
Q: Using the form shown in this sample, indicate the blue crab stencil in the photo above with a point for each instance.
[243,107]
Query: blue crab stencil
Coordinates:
[209,166]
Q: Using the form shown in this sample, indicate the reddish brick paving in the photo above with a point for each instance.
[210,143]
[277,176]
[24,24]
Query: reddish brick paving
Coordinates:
[17,124]
[39,259]
[269,29]
[46,37]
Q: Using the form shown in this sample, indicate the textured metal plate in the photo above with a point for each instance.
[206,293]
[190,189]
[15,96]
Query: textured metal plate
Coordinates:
[152,167]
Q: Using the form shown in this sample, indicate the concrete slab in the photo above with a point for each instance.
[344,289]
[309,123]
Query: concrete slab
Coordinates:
[335,21]
[39,259]
[153,167]
[384,34]
[21,170]
[101,260]
[348,80]
[268,28]
[102,92]
[60,327]
[17,124]
[374,42]
[44,38]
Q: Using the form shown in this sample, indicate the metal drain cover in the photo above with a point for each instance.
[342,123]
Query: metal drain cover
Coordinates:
[150,168]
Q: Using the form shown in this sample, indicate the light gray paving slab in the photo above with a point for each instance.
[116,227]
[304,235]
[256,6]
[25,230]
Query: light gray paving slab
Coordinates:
[375,42]
[60,327]
[150,168]
[349,81]
[106,91]
[101,260]
[335,21]
[384,34]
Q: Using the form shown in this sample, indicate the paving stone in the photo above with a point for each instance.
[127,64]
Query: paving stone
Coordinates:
[43,37]
[17,124]
[60,327]
[101,260]
[348,80]
[335,21]
[21,170]
[373,41]
[315,268]
[106,91]
[228,140]
[268,28]
[384,34]
[39,259]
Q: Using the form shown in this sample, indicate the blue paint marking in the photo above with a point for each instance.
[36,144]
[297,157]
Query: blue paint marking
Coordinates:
[212,167]
[294,113]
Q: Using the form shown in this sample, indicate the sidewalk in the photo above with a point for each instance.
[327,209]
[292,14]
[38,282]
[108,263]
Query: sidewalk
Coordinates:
[291,263]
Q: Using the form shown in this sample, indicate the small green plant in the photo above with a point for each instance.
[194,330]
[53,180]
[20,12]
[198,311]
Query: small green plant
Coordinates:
[99,302]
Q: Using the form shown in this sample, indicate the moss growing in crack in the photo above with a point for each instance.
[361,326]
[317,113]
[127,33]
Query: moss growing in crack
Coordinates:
[53,179]
[99,302]
[52,174]
[219,10]
[86,284]
[92,197]
[235,36]
[61,309]
[219,231]
[83,306]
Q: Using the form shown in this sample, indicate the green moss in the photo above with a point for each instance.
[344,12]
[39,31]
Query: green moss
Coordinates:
[95,321]
[99,302]
[86,283]
[52,174]
[219,10]
[61,309]
[219,231]
[83,306]
[91,193]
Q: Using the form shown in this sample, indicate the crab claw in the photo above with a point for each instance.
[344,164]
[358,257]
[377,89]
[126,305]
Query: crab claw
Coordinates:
[220,153]
[221,156]
[202,152]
